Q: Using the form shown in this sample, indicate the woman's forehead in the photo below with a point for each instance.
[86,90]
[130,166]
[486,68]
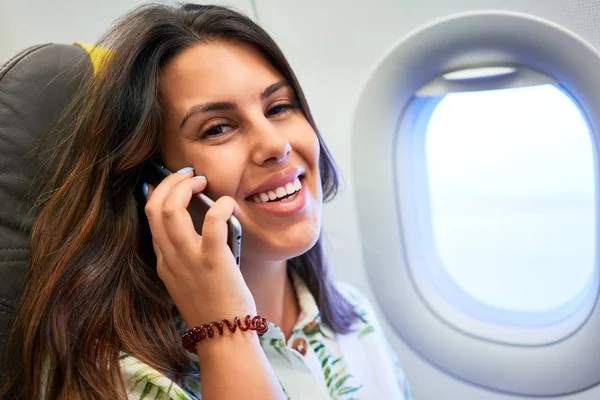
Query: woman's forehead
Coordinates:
[217,68]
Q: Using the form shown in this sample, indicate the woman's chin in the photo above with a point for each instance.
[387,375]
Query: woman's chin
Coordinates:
[282,246]
[300,248]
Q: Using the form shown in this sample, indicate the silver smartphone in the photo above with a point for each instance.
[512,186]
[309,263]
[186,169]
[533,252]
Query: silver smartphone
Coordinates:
[199,205]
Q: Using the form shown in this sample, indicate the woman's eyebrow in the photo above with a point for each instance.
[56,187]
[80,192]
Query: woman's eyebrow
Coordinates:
[229,106]
[273,88]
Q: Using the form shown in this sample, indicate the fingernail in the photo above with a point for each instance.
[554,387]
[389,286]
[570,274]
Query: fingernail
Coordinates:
[145,189]
[185,170]
[200,177]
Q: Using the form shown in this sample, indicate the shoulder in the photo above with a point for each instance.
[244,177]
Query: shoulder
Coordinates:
[349,291]
[370,330]
[361,303]
[144,382]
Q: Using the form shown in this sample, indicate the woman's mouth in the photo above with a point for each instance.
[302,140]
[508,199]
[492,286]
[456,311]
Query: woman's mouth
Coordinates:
[284,200]
[284,193]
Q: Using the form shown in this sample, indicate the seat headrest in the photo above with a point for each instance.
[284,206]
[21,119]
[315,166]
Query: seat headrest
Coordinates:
[35,87]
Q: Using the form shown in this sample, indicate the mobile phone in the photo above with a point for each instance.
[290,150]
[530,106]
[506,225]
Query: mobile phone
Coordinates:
[154,173]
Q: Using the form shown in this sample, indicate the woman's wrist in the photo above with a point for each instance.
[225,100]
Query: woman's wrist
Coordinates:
[228,343]
[212,330]
[193,318]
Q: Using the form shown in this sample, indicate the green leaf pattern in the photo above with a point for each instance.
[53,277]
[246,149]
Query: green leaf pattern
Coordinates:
[145,383]
[279,346]
[337,379]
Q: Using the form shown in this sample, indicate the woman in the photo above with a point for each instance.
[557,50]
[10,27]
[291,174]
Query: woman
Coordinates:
[118,271]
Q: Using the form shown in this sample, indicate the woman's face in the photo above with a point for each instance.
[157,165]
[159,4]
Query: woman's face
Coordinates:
[233,117]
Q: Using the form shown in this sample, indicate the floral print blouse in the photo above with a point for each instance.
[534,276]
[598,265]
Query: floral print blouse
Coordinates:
[314,363]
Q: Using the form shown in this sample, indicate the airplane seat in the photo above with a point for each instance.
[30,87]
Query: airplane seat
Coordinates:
[35,87]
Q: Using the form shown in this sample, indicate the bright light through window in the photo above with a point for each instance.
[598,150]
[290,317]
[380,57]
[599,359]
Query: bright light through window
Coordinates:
[512,191]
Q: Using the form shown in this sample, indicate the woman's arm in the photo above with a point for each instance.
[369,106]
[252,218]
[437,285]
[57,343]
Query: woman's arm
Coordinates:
[234,366]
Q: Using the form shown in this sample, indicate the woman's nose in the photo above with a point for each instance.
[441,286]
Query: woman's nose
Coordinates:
[271,146]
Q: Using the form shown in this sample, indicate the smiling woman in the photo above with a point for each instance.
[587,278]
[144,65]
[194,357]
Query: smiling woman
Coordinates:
[245,131]
[118,271]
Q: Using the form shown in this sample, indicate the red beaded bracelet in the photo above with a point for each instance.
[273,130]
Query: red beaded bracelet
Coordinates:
[198,333]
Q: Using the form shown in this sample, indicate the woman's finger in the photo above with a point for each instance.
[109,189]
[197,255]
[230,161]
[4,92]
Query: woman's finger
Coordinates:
[153,210]
[176,219]
[214,230]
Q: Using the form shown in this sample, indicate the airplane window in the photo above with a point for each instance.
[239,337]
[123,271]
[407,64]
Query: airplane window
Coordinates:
[475,174]
[512,196]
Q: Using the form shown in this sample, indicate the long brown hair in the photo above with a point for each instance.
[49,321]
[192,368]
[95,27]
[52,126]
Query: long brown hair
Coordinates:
[92,287]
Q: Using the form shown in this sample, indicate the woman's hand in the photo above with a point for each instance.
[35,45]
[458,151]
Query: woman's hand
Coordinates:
[205,283]
[199,272]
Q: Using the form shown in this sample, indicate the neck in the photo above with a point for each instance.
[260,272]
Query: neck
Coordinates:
[273,293]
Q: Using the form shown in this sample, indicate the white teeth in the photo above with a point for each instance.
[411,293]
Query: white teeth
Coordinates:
[280,192]
[289,188]
[289,198]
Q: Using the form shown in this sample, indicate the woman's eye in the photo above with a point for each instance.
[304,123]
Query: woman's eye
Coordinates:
[280,109]
[221,128]
[216,130]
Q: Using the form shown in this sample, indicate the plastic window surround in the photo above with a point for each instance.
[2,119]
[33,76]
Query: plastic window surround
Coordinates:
[448,44]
